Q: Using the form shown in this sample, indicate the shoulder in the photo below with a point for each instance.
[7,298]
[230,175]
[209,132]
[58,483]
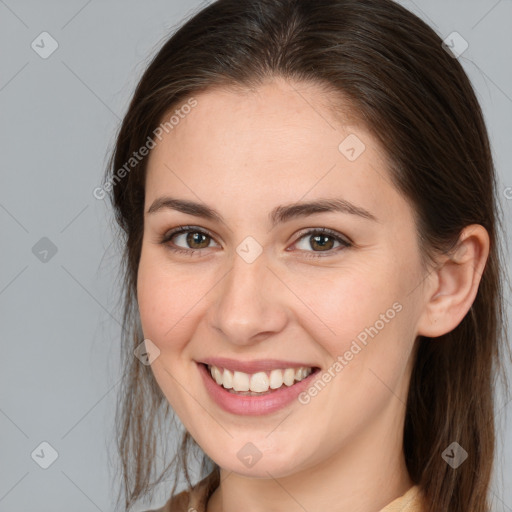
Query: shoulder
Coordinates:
[194,498]
[411,501]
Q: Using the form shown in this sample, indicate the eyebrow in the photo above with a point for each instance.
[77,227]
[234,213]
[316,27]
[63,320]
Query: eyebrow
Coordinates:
[278,215]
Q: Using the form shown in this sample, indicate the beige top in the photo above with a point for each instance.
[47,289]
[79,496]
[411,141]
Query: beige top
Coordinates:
[197,498]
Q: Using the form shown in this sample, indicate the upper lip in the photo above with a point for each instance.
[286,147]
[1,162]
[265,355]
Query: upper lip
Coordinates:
[256,365]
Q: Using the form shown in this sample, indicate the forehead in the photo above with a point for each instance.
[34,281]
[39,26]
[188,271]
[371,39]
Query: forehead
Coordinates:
[279,142]
[279,119]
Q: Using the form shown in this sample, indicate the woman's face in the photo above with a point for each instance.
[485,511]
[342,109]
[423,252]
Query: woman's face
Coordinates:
[256,289]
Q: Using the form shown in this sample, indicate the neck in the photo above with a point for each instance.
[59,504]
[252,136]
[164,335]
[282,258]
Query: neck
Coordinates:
[364,475]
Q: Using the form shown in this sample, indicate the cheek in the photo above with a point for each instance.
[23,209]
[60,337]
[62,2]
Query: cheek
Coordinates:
[171,300]
[344,304]
[160,300]
[366,332]
[168,306]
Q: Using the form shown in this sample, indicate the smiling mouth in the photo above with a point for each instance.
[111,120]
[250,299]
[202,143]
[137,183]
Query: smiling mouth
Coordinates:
[259,383]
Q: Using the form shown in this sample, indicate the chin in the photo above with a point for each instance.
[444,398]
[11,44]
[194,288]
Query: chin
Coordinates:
[251,463]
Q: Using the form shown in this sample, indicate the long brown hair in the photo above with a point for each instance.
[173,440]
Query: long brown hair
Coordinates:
[418,102]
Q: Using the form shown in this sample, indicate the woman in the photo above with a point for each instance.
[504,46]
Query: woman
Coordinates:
[312,269]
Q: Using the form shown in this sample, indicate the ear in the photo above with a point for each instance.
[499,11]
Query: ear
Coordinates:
[454,283]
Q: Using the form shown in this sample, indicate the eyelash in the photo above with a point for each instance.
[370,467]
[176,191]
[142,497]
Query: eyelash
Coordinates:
[345,243]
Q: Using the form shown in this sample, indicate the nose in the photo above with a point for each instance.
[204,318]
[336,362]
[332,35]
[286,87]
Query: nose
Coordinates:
[249,304]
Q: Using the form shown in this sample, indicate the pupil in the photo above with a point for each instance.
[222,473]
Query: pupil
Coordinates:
[194,238]
[319,237]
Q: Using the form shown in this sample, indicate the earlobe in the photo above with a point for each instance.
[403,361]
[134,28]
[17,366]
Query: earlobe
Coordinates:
[457,278]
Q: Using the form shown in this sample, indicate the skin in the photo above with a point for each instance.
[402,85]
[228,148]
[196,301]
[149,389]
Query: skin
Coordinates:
[244,153]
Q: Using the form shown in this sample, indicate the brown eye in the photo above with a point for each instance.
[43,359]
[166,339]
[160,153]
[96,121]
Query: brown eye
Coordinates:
[187,239]
[322,241]
[196,237]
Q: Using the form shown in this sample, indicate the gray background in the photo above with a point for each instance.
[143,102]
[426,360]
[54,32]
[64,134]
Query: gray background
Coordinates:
[60,321]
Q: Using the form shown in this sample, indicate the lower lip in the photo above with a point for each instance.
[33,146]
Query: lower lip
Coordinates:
[253,405]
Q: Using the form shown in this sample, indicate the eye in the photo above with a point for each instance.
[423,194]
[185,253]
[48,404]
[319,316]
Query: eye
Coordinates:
[323,239]
[192,237]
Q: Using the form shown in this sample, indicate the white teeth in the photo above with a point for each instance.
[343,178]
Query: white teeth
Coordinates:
[217,375]
[240,381]
[276,379]
[227,379]
[259,382]
[289,376]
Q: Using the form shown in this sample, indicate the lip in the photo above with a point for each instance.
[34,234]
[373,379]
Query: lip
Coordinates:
[257,365]
[253,405]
